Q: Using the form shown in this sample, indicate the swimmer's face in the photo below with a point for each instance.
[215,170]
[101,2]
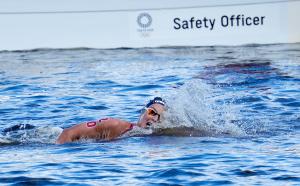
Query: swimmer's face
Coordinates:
[151,115]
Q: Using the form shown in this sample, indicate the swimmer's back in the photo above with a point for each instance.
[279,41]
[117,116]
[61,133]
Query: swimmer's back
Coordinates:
[104,129]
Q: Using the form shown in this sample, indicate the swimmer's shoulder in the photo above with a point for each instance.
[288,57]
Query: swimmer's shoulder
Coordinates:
[121,125]
[113,121]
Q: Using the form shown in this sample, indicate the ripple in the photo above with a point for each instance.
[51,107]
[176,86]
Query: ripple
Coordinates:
[16,88]
[7,110]
[293,104]
[169,173]
[216,182]
[168,79]
[247,172]
[287,178]
[23,180]
[76,97]
[141,88]
[98,107]
[102,83]
[285,100]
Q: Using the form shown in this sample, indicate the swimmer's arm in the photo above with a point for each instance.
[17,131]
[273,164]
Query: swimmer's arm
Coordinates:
[106,130]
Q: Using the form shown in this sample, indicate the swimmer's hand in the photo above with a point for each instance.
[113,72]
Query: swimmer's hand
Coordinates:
[106,129]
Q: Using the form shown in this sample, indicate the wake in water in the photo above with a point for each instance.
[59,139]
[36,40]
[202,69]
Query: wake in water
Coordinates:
[26,133]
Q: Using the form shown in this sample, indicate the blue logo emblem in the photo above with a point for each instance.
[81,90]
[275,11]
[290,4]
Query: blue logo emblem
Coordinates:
[144,20]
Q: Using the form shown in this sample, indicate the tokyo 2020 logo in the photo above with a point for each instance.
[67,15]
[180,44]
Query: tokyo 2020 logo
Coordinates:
[144,20]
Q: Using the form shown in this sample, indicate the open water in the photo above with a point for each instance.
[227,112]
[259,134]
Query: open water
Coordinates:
[233,115]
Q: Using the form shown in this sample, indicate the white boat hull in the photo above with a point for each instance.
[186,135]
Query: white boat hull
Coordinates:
[127,23]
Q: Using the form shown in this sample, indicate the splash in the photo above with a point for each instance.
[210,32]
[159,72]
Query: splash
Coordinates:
[199,109]
[24,133]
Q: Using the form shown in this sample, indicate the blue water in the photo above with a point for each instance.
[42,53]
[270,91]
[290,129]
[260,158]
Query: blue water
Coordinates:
[233,115]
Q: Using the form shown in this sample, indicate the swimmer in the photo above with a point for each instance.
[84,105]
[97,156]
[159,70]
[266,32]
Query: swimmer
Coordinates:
[109,128]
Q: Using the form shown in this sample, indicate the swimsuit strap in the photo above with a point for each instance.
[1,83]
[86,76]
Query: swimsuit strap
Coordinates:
[129,129]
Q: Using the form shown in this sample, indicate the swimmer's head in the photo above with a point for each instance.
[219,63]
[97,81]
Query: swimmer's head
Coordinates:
[152,113]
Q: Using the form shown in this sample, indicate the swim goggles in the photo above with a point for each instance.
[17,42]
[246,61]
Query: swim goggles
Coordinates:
[152,112]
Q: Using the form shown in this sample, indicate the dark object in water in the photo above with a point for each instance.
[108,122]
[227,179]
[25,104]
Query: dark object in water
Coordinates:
[18,127]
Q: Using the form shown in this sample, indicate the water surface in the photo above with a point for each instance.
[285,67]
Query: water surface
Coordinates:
[243,101]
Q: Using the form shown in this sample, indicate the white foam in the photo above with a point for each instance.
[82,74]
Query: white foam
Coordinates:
[4,140]
[37,135]
[4,98]
[199,106]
